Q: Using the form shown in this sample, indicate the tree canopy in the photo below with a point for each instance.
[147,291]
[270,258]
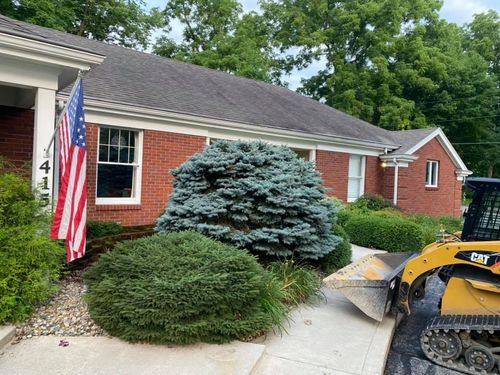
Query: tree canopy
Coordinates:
[123,22]
[220,35]
[399,66]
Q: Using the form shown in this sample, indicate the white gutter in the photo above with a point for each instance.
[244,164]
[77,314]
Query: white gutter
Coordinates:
[47,53]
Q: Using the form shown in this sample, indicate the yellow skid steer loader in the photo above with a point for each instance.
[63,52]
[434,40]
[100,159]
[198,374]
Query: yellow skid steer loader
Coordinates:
[465,336]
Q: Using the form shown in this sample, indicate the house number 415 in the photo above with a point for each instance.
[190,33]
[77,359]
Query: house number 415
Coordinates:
[44,185]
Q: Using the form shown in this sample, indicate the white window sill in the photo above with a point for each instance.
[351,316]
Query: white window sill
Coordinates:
[116,201]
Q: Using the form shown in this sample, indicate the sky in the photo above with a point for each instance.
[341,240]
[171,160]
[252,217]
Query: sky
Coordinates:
[457,11]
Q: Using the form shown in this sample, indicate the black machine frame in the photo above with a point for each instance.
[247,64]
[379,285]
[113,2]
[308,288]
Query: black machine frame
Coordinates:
[482,218]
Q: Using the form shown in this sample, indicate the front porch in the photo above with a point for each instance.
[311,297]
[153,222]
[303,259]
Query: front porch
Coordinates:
[32,71]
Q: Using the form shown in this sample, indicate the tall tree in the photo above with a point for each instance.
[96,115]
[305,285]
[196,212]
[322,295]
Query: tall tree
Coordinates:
[359,41]
[396,64]
[219,35]
[123,22]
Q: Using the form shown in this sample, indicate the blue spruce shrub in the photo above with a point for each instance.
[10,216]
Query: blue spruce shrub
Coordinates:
[255,196]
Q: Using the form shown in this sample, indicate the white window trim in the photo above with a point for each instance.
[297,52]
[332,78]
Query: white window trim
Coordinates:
[361,178]
[138,176]
[427,173]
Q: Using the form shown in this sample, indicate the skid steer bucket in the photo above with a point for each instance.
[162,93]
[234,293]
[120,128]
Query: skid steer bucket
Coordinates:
[370,282]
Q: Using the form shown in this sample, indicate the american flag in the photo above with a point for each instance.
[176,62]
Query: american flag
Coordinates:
[70,220]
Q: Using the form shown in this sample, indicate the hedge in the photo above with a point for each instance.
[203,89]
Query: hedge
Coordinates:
[182,288]
[386,233]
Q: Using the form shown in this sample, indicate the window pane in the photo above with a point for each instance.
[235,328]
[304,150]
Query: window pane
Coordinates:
[353,188]
[132,135]
[123,155]
[427,173]
[131,157]
[103,153]
[114,181]
[113,154]
[114,136]
[434,173]
[104,136]
[355,166]
[124,138]
[302,154]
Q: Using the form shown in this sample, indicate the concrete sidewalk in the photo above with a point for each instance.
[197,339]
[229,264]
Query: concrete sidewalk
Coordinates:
[333,337]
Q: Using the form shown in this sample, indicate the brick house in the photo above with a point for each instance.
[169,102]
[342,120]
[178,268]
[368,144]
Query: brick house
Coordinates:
[147,114]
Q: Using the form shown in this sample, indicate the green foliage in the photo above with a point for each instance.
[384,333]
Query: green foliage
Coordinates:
[373,202]
[255,196]
[182,288]
[30,264]
[219,35]
[341,255]
[96,229]
[299,283]
[432,225]
[18,205]
[385,233]
[124,22]
[397,65]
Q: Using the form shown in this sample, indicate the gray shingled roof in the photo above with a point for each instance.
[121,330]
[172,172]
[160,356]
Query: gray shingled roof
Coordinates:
[409,138]
[144,80]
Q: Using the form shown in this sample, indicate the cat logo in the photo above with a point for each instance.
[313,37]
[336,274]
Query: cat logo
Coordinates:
[479,258]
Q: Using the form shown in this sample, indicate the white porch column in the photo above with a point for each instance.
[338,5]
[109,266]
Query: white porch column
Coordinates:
[43,170]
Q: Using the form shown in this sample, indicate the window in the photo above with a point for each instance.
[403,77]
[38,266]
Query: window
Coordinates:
[432,173]
[356,184]
[119,166]
[302,154]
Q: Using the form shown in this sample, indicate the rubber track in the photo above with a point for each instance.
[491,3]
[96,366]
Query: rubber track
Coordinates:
[462,323]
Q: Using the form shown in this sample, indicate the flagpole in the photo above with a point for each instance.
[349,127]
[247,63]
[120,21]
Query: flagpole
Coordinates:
[59,118]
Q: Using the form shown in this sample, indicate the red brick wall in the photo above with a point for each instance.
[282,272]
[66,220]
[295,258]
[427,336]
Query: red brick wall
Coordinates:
[414,197]
[16,134]
[334,169]
[162,151]
[374,175]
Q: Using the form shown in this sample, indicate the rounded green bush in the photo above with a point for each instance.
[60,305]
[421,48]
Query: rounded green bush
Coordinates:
[30,264]
[385,233]
[181,288]
[341,255]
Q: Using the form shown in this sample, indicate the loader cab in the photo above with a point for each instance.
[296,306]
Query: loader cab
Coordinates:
[482,218]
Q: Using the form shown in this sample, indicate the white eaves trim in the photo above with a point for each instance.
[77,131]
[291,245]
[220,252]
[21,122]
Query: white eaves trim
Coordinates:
[445,142]
[401,160]
[46,53]
[124,115]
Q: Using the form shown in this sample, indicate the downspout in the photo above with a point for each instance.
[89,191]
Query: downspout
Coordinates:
[396,176]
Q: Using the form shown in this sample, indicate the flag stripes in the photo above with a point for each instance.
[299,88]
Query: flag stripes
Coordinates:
[71,211]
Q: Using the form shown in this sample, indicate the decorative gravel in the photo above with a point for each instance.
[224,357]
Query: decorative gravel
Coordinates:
[65,314]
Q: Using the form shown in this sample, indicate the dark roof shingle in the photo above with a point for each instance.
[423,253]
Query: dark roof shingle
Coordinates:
[409,138]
